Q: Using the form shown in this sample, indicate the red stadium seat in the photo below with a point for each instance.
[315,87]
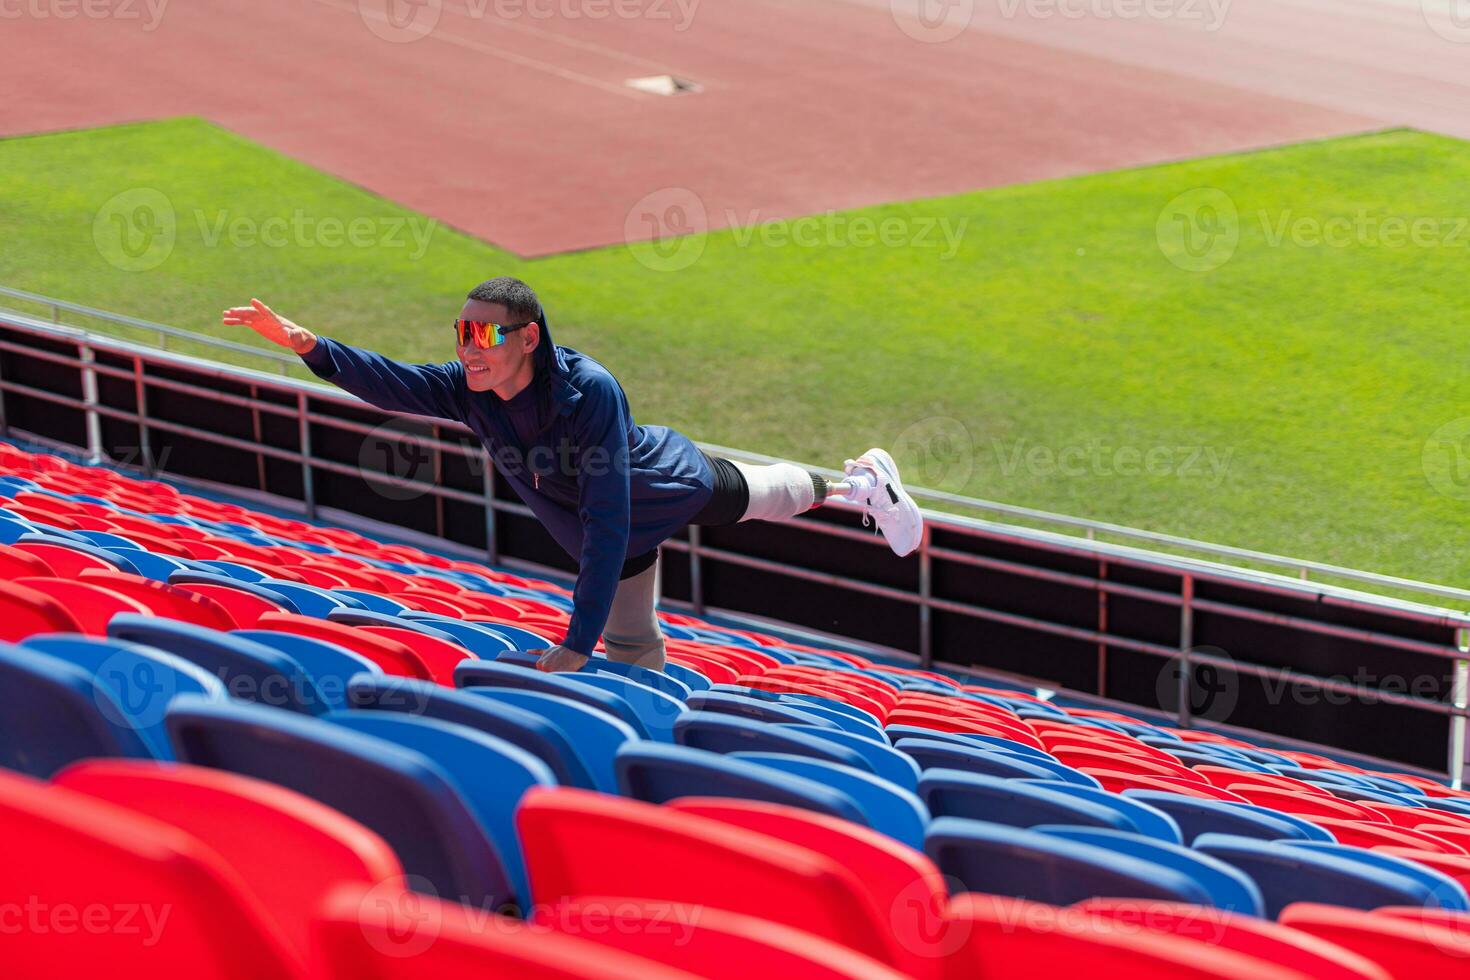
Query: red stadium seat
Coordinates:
[582,843]
[1360,833]
[25,611]
[164,600]
[1107,758]
[895,876]
[1222,776]
[1454,865]
[141,899]
[1414,816]
[941,723]
[709,943]
[383,933]
[245,608]
[1406,948]
[90,605]
[718,673]
[392,656]
[1247,934]
[65,562]
[1310,805]
[440,656]
[15,563]
[1019,940]
[1116,782]
[289,850]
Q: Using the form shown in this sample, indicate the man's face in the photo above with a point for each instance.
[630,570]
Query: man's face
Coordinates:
[492,367]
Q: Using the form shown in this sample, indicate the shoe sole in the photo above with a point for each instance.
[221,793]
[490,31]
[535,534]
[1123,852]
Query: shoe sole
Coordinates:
[890,470]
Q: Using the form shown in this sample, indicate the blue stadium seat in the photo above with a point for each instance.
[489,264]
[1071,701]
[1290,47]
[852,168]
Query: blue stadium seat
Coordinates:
[659,680]
[330,667]
[1151,821]
[850,718]
[656,773]
[229,569]
[490,774]
[1346,791]
[657,710]
[521,639]
[951,793]
[594,736]
[1229,888]
[311,600]
[142,680]
[483,641]
[727,733]
[887,762]
[886,808]
[194,576]
[1197,816]
[690,678]
[896,732]
[249,671]
[1445,892]
[933,753]
[1384,782]
[1000,860]
[755,709]
[401,794]
[1286,873]
[1191,758]
[540,736]
[481,673]
[155,567]
[75,542]
[373,602]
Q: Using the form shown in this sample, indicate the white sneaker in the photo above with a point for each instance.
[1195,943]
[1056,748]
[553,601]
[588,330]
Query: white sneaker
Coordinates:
[886,502]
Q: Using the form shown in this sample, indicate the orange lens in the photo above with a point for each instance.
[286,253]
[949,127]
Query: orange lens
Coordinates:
[483,334]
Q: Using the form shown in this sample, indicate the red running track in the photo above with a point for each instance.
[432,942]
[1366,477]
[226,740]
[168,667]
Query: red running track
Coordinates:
[519,129]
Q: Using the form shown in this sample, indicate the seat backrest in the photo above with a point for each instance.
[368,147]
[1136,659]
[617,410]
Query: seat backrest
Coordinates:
[724,733]
[483,673]
[1002,860]
[288,849]
[951,793]
[931,753]
[1247,934]
[1286,874]
[141,679]
[658,711]
[535,733]
[886,761]
[89,606]
[592,735]
[755,709]
[895,876]
[1151,821]
[1445,891]
[1229,889]
[249,671]
[659,680]
[163,599]
[886,807]
[391,655]
[53,712]
[996,936]
[490,773]
[330,667]
[1197,816]
[1403,947]
[148,899]
[656,773]
[400,794]
[579,843]
[382,934]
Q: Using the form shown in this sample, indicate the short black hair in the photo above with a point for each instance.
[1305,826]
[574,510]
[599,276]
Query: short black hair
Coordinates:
[518,299]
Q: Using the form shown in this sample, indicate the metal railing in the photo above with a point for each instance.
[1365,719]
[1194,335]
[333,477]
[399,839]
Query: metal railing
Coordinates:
[304,402]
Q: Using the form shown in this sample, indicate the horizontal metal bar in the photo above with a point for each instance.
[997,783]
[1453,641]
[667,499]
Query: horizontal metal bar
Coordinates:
[1328,629]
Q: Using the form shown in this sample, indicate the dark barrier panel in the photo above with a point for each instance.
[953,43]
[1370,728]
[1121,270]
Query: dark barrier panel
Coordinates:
[1263,653]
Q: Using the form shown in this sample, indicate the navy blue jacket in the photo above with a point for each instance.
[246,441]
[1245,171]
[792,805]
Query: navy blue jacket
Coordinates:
[606,488]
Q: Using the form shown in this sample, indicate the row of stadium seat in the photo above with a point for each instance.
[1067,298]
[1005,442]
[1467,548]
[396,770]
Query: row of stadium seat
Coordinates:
[194,697]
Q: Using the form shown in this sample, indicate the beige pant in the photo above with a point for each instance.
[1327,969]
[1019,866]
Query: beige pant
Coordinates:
[631,635]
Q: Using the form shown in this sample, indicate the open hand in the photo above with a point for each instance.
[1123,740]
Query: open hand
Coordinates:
[277,329]
[559,658]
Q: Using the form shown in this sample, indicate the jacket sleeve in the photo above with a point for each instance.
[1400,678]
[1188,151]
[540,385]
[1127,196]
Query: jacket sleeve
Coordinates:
[601,428]
[414,389]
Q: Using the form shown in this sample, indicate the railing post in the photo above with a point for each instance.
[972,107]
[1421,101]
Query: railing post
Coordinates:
[926,610]
[492,542]
[140,395]
[1460,696]
[89,403]
[1186,644]
[308,488]
[696,572]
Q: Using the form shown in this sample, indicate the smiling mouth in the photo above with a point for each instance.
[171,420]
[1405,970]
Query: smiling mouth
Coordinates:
[476,368]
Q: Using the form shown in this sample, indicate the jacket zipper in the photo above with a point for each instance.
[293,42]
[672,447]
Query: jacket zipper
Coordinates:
[536,481]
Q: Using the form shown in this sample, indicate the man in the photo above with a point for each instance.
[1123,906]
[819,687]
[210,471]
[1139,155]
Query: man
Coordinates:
[557,425]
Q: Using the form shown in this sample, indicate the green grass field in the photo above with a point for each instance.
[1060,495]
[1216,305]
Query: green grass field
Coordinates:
[1278,363]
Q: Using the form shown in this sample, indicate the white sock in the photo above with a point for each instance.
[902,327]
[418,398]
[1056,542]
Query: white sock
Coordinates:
[778,492]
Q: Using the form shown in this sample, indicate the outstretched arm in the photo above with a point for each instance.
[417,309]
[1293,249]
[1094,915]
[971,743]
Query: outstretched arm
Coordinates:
[414,389]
